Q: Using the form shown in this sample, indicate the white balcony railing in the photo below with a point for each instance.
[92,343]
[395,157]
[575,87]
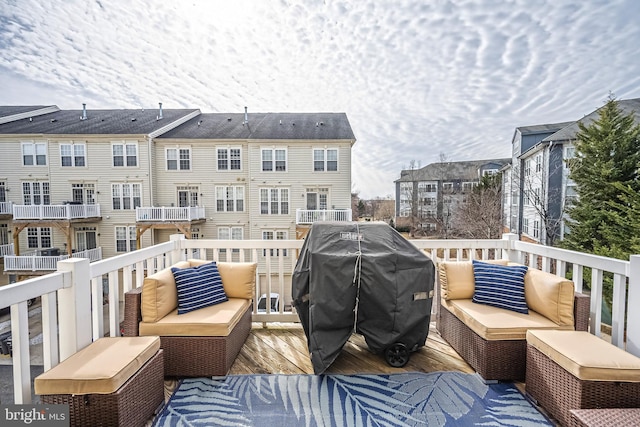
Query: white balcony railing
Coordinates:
[166,213]
[55,212]
[6,250]
[46,263]
[77,286]
[6,208]
[307,216]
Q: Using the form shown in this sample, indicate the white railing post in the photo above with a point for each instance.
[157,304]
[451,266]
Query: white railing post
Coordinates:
[512,254]
[176,255]
[633,315]
[21,358]
[74,307]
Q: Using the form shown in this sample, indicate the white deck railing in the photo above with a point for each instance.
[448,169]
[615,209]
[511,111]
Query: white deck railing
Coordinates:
[46,263]
[306,216]
[77,285]
[55,212]
[6,208]
[6,250]
[167,213]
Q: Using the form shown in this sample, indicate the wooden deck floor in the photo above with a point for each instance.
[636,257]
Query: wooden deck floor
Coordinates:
[281,348]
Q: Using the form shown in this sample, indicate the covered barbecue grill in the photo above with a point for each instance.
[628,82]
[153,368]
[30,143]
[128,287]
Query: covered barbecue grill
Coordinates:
[364,278]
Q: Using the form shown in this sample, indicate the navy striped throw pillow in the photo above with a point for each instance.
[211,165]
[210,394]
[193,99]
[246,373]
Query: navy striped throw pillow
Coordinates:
[198,287]
[500,286]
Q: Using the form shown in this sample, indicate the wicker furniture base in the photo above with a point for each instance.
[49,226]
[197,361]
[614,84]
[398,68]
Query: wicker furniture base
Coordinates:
[606,417]
[133,404]
[558,391]
[493,360]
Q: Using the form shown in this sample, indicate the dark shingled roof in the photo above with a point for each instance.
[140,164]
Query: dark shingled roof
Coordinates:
[449,171]
[10,110]
[291,126]
[98,122]
[552,127]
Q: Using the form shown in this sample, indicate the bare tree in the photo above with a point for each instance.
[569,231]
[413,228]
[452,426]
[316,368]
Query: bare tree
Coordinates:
[480,215]
[409,195]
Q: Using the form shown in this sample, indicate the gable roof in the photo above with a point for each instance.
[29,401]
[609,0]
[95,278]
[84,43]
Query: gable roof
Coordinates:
[449,171]
[267,126]
[98,122]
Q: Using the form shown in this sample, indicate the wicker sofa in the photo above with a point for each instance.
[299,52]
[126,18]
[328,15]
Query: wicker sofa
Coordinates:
[204,342]
[493,340]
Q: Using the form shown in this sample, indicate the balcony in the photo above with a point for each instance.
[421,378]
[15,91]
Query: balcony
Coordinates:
[6,209]
[278,347]
[306,216]
[169,214]
[38,262]
[65,212]
[6,250]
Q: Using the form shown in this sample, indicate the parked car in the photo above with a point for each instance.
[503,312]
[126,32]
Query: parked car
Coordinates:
[275,303]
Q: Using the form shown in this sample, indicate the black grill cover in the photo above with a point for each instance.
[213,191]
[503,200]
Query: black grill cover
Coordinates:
[395,282]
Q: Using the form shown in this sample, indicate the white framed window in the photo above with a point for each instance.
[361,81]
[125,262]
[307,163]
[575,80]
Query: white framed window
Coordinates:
[274,201]
[538,161]
[178,159]
[447,186]
[4,234]
[525,225]
[468,186]
[424,187]
[36,193]
[274,159]
[230,198]
[125,154]
[84,193]
[570,195]
[275,235]
[3,192]
[86,238]
[34,154]
[73,155]
[187,196]
[325,159]
[536,229]
[126,196]
[527,167]
[230,233]
[447,200]
[526,199]
[489,172]
[126,238]
[229,159]
[38,237]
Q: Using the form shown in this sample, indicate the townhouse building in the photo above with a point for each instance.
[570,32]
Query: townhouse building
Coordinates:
[536,186]
[99,183]
[429,198]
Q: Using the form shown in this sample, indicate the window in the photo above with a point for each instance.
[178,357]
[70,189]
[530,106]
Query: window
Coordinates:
[125,154]
[187,196]
[38,237]
[230,233]
[83,193]
[569,155]
[126,196]
[229,199]
[34,154]
[468,186]
[536,229]
[4,234]
[525,225]
[447,200]
[571,195]
[526,197]
[527,167]
[489,172]
[126,238]
[424,187]
[72,155]
[325,160]
[3,192]
[86,238]
[538,161]
[447,186]
[178,159]
[274,159]
[279,235]
[274,201]
[229,159]
[36,193]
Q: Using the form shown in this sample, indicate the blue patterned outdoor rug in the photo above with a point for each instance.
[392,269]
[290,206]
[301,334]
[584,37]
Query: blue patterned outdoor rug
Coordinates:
[411,399]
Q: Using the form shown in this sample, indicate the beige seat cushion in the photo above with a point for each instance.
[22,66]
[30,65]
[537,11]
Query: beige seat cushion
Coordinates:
[100,368]
[550,295]
[457,280]
[214,321]
[586,356]
[238,278]
[159,294]
[493,323]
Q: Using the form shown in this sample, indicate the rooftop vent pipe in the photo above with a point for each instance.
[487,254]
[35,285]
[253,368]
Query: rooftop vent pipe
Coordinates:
[246,115]
[84,112]
[159,110]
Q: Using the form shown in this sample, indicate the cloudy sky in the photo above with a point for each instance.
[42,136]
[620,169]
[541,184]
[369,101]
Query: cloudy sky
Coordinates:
[417,79]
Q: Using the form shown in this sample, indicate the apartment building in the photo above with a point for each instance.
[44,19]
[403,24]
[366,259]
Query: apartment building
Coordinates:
[428,198]
[99,183]
[536,184]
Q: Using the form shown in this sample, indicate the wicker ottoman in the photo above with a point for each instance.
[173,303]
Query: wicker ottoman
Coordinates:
[111,382]
[617,417]
[576,370]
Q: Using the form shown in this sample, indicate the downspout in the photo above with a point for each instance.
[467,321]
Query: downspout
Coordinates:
[151,187]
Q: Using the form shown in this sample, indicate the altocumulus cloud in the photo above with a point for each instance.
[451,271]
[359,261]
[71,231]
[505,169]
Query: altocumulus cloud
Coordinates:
[417,79]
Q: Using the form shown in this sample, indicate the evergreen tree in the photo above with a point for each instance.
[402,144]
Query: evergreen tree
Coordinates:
[605,171]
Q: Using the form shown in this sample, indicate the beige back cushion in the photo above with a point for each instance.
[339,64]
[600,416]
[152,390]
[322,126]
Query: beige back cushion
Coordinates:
[159,294]
[550,295]
[457,280]
[238,278]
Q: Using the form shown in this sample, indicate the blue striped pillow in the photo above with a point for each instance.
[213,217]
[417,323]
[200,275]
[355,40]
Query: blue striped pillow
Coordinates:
[198,287]
[500,286]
